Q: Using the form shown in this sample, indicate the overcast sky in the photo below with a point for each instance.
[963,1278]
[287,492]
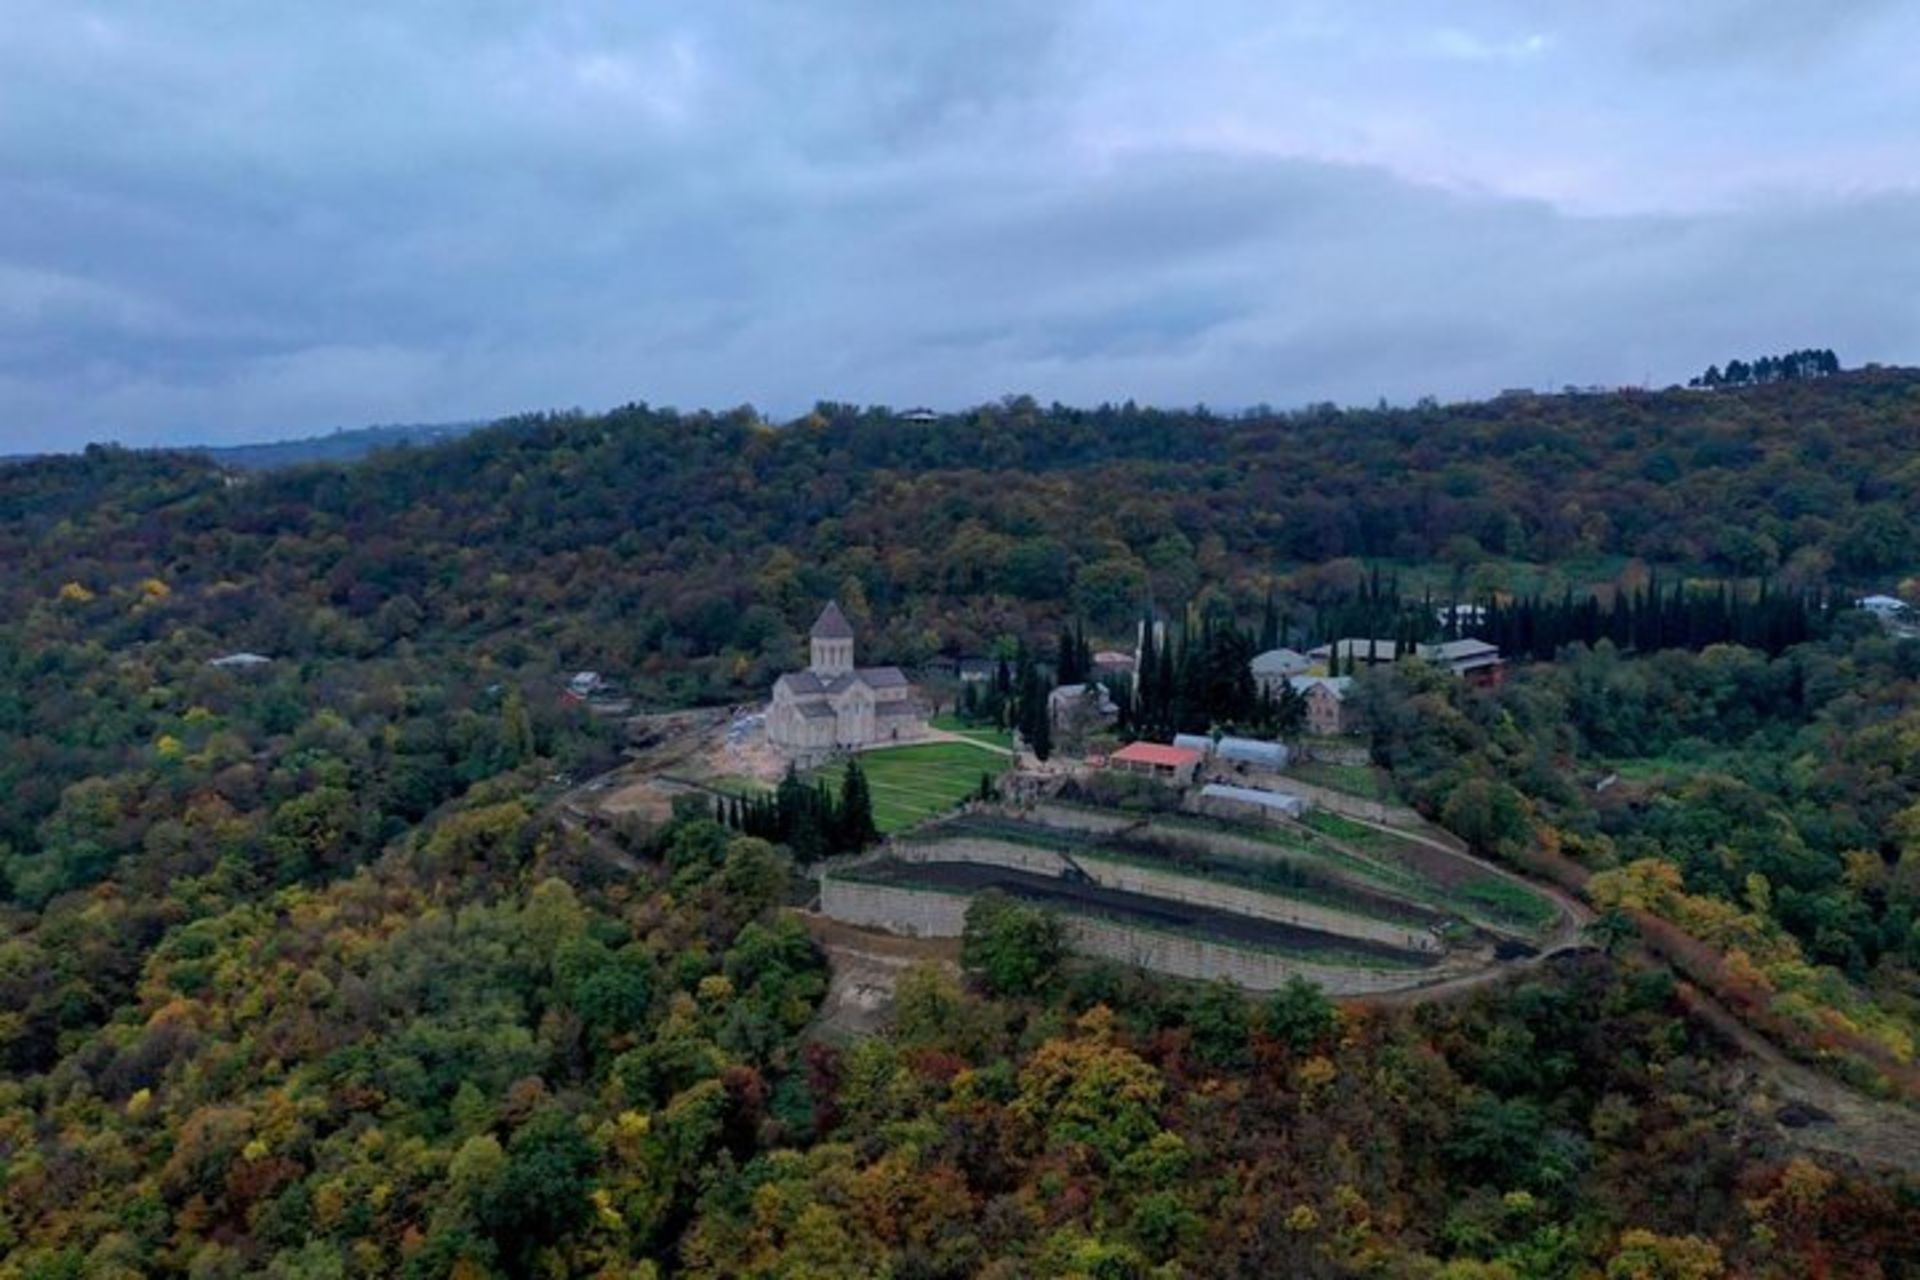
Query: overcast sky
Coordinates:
[224,220]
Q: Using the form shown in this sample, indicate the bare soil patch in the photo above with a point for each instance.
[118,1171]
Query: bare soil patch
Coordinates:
[866,966]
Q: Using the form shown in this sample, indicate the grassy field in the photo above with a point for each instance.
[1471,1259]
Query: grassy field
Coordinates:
[950,723]
[1452,881]
[913,783]
[1355,779]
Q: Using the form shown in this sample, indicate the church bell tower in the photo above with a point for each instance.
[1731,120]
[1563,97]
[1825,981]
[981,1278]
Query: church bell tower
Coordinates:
[832,643]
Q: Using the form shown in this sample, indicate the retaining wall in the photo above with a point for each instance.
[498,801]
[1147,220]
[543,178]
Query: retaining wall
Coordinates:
[926,913]
[1069,818]
[1246,848]
[1196,958]
[991,853]
[917,913]
[1244,900]
[1193,889]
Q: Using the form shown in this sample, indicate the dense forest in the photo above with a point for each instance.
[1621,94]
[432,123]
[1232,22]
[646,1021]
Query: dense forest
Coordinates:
[302,975]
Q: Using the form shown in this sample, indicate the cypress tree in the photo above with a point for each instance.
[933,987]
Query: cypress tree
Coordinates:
[857,829]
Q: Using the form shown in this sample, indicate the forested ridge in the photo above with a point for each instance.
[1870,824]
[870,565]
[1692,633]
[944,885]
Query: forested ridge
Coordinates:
[300,974]
[675,525]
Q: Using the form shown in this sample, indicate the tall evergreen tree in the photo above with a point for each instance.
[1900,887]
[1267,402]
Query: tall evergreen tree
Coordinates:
[854,821]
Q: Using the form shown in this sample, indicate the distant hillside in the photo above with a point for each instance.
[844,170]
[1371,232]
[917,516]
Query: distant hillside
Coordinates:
[695,547]
[344,445]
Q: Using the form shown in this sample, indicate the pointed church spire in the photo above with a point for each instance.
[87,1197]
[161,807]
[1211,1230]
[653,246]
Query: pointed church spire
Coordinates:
[832,639]
[832,624]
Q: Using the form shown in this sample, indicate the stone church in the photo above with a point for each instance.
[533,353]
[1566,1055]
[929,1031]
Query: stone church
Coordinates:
[836,706]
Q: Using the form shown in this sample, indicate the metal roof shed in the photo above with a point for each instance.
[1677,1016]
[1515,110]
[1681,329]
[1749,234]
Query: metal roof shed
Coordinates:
[1265,755]
[1281,802]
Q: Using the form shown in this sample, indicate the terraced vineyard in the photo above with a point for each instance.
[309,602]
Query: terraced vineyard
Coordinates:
[1141,911]
[1345,890]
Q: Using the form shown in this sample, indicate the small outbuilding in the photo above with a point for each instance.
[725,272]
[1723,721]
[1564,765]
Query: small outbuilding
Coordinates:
[1223,801]
[1249,752]
[1175,765]
[1253,752]
[1473,660]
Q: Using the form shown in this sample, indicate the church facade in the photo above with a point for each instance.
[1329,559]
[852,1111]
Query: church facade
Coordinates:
[836,706]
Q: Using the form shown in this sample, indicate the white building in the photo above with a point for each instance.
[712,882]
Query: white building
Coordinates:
[836,706]
[1275,667]
[1882,606]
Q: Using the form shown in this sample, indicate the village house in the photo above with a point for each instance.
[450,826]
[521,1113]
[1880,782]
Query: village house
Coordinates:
[1329,712]
[834,705]
[1475,661]
[1174,765]
[1083,708]
[1112,662]
[1272,669]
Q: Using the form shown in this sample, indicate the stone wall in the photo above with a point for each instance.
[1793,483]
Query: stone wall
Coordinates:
[984,852]
[917,913]
[1071,818]
[1246,901]
[1225,843]
[1189,957]
[924,913]
[1174,886]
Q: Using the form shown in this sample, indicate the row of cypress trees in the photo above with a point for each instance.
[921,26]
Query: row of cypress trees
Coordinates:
[1200,678]
[807,817]
[1657,617]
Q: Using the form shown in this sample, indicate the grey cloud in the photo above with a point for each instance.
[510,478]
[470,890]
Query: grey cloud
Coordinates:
[218,224]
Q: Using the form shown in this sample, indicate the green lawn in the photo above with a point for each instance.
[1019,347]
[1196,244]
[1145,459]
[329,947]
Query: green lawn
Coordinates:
[947,722]
[1355,779]
[914,783]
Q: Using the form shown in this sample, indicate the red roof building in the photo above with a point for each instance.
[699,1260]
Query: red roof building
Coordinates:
[1151,759]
